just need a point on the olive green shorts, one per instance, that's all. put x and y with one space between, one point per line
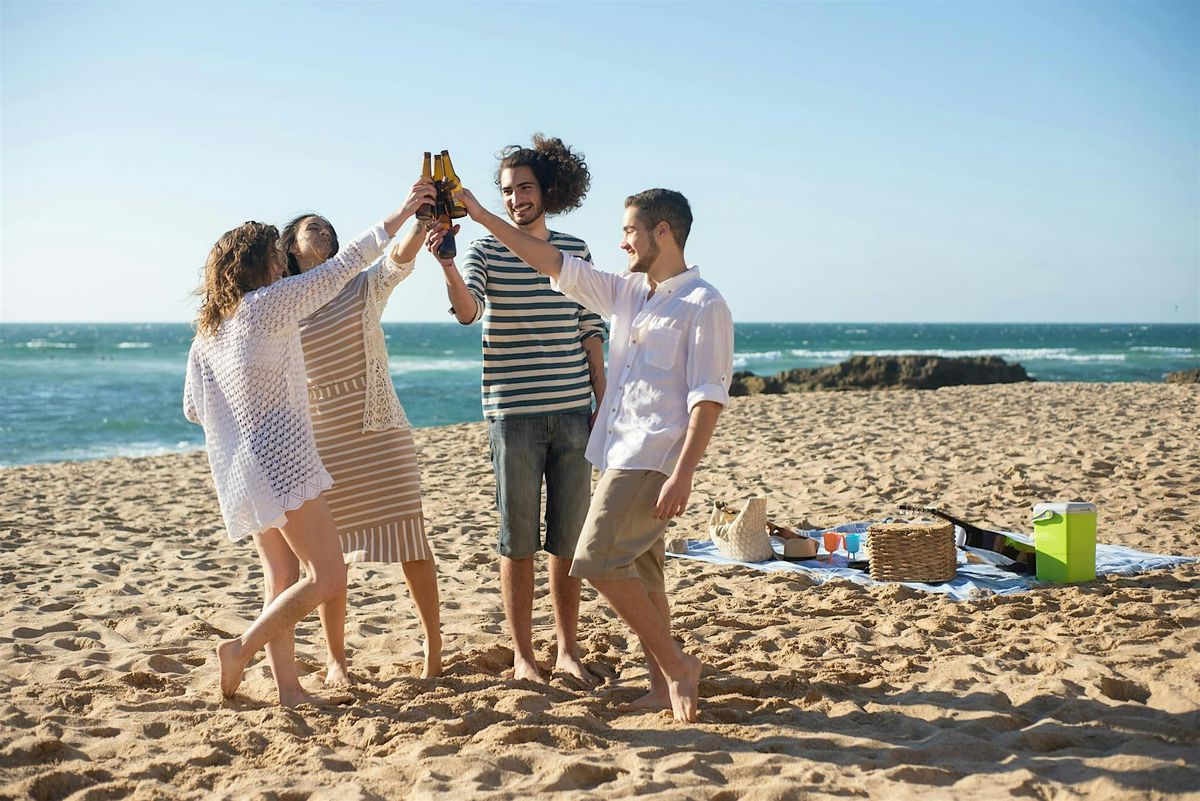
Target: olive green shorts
621 539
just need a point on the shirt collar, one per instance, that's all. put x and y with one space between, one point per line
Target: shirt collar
676 282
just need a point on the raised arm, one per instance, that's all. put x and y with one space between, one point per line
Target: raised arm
398 263
292 299
466 300
541 256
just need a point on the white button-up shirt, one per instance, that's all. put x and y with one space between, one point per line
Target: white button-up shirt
666 353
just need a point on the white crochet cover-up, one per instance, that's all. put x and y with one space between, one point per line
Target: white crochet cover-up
383 411
245 385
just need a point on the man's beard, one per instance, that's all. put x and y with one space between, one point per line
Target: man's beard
535 214
645 261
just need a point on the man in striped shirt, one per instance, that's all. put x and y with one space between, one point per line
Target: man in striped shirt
543 360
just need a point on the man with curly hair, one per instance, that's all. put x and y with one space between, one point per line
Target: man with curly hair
543 360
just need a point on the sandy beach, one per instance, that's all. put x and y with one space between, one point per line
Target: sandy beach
118 578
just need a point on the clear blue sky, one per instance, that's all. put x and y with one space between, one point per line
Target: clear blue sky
845 161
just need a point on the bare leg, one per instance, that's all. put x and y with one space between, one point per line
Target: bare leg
281 570
516 586
564 595
658 697
681 671
311 535
333 624
421 577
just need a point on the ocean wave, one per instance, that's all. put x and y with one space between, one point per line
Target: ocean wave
1008 354
38 344
131 450
134 345
404 364
1163 349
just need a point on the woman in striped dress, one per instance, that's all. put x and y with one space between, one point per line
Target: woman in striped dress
363 435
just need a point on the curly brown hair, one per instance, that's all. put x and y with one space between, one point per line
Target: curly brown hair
560 171
240 262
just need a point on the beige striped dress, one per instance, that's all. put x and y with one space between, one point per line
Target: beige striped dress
363 436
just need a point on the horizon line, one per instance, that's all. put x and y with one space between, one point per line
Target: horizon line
742 322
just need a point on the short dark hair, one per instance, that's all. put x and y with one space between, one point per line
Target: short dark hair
561 173
288 238
663 205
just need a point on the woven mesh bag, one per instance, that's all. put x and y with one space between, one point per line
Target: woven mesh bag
742 536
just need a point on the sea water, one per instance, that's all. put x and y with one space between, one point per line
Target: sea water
84 391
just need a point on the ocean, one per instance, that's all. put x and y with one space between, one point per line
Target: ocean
87 391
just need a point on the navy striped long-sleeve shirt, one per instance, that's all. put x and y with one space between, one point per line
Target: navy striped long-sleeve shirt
533 357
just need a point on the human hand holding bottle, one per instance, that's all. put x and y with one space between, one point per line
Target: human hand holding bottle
474 210
422 193
433 241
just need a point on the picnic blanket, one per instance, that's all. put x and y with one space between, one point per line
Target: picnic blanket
970 580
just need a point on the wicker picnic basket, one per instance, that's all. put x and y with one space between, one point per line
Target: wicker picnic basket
918 551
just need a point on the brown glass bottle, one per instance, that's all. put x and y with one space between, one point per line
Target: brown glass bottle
426 211
448 249
456 207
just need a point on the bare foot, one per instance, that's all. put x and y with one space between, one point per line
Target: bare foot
527 671
685 690
296 697
337 675
433 658
229 658
655 699
573 666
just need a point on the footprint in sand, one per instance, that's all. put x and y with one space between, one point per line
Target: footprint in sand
57 606
1122 690
27 633
584 776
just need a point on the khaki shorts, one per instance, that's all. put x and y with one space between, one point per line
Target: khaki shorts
620 538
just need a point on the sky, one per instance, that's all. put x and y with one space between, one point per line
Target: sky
845 161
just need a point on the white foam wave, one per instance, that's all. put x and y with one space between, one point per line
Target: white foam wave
404 364
131 450
39 344
133 345
1163 349
1009 354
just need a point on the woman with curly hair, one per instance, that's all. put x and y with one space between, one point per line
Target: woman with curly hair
363 436
245 386
543 360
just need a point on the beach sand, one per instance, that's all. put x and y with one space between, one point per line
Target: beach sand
117 579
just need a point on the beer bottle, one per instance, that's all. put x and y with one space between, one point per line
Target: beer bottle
456 207
426 211
447 249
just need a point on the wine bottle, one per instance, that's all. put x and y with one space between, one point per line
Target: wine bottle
984 539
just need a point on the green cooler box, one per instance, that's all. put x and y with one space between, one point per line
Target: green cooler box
1064 535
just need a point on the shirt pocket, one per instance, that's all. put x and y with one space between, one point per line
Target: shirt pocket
662 347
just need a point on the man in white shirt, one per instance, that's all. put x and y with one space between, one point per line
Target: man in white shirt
670 362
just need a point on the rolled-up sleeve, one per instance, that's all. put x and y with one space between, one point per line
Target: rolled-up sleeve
590 325
710 357
587 286
475 276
